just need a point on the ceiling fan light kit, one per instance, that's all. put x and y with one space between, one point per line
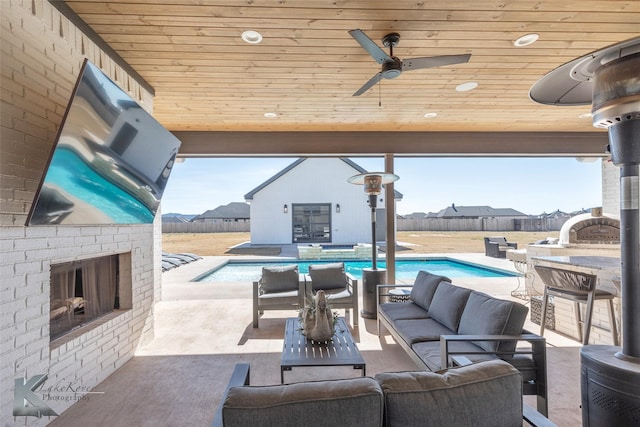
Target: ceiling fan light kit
392 66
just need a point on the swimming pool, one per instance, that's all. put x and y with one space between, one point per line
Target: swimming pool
405 269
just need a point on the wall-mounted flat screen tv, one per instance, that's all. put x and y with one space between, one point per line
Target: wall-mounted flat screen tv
110 161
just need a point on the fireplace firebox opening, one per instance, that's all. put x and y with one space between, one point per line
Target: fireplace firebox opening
86 290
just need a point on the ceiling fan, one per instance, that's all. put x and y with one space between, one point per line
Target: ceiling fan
392 66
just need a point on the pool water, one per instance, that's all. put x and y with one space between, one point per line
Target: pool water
405 269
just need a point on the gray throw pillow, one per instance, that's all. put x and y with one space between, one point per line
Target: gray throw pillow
279 279
448 303
327 276
485 315
424 287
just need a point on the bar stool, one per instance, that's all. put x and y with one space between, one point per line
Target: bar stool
579 288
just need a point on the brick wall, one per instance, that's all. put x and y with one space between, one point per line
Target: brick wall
601 330
41 57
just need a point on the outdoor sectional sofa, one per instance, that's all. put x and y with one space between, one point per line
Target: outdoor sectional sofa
444 325
485 394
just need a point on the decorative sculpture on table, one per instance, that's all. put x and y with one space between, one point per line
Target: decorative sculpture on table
317 319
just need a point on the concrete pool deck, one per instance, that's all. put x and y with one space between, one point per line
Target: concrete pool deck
203 329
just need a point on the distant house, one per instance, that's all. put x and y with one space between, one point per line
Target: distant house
175 218
310 201
476 212
415 215
559 214
233 212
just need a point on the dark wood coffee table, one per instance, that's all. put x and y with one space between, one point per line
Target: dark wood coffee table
298 351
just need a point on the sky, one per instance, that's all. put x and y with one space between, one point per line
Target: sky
529 185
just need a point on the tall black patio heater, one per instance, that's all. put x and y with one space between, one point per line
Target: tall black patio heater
609 79
372 277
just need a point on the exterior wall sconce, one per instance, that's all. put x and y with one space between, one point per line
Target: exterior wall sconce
337 207
285 209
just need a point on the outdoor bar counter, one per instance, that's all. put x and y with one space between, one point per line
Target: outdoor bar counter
606 268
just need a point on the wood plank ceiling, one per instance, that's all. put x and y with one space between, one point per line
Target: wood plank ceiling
308 66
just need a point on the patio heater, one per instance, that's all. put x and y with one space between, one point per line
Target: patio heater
372 277
609 79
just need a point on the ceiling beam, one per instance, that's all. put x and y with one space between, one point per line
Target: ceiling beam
437 144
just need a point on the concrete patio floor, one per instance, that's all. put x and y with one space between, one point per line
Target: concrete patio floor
203 329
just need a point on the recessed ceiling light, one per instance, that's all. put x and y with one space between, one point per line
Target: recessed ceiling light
430 115
526 40
270 115
463 87
585 116
251 36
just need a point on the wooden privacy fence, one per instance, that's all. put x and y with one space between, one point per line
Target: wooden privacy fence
428 224
481 224
206 227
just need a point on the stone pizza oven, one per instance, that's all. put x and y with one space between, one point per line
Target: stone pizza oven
595 228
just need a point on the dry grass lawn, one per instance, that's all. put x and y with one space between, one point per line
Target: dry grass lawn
218 244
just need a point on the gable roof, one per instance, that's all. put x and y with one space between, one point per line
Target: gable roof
231 211
354 165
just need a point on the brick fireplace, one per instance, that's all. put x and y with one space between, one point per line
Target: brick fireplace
46 52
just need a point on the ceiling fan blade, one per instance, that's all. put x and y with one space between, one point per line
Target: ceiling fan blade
379 55
375 79
433 61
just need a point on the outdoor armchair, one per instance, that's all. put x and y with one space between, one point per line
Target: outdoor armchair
497 247
340 287
279 288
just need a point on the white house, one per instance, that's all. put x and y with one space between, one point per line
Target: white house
310 201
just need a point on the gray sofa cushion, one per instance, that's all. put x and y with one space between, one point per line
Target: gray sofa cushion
402 310
327 276
485 315
424 287
486 394
418 330
339 296
350 402
279 279
279 299
448 303
429 353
